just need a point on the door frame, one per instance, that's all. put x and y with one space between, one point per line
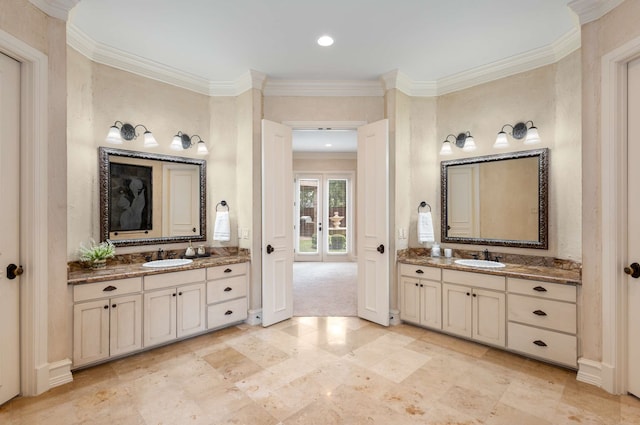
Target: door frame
611 372
35 368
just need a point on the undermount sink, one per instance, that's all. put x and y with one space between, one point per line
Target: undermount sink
480 263
172 262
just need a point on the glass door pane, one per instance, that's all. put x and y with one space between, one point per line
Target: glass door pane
338 218
308 213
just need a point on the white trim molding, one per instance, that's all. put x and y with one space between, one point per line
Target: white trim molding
394 317
590 372
60 373
323 88
254 318
55 8
590 10
33 209
613 180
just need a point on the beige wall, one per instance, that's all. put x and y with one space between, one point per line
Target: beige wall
598 38
48 35
549 97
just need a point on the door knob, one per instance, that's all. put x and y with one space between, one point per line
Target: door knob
14 271
633 270
380 249
270 249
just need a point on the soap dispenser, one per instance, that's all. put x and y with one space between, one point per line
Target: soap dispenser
190 252
435 250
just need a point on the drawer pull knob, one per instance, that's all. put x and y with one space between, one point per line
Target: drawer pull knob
106 307
228 312
109 288
540 289
114 305
539 343
419 271
228 270
421 285
539 313
468 293
227 289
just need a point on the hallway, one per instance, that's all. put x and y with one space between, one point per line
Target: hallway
325 289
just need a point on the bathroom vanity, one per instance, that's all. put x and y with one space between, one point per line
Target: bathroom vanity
127 308
531 310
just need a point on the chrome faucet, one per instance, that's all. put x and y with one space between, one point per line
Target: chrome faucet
486 254
160 254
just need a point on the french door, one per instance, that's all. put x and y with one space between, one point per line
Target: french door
322 217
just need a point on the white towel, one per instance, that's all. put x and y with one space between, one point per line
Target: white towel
222 228
425 227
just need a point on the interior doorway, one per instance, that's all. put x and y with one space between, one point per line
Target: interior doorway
324 272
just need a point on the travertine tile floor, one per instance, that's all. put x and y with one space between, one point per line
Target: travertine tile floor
340 370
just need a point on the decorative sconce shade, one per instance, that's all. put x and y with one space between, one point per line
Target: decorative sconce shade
518 131
127 132
463 140
183 141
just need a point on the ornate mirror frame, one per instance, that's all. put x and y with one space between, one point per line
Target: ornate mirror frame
543 200
104 155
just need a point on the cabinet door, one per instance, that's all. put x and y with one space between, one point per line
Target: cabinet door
126 324
90 332
431 304
159 316
456 309
410 299
191 309
489 317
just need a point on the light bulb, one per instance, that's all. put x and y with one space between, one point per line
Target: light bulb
501 141
114 136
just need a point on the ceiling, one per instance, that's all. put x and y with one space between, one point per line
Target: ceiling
325 141
221 40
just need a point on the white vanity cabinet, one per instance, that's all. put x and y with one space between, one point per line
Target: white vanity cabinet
227 288
107 320
421 295
174 306
474 306
543 320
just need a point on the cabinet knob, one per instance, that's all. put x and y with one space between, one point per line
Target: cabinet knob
419 271
114 305
468 293
421 285
174 294
228 312
475 295
227 289
539 343
109 288
540 289
180 293
416 284
228 270
106 307
539 313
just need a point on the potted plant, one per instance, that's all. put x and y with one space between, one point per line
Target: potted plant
96 254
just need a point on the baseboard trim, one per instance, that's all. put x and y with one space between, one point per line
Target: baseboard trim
60 373
254 318
394 317
590 372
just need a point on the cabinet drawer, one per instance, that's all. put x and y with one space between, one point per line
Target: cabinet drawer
556 315
166 280
227 312
549 345
421 272
556 291
226 289
111 288
478 280
226 271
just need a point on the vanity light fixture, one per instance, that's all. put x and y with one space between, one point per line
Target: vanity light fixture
127 132
183 141
463 140
518 131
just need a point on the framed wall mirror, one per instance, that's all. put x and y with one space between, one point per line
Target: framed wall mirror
497 200
148 198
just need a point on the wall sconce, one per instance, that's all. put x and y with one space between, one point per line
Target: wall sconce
463 140
518 131
182 141
128 132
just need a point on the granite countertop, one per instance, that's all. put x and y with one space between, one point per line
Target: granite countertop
78 276
530 272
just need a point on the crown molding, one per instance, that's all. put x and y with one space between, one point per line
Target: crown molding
256 80
55 8
323 88
590 10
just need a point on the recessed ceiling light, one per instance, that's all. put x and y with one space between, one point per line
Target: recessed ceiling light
325 41
328 145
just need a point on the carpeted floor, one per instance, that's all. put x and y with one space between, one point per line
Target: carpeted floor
325 289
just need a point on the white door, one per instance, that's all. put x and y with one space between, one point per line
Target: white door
9 227
308 218
633 232
463 208
277 223
373 222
